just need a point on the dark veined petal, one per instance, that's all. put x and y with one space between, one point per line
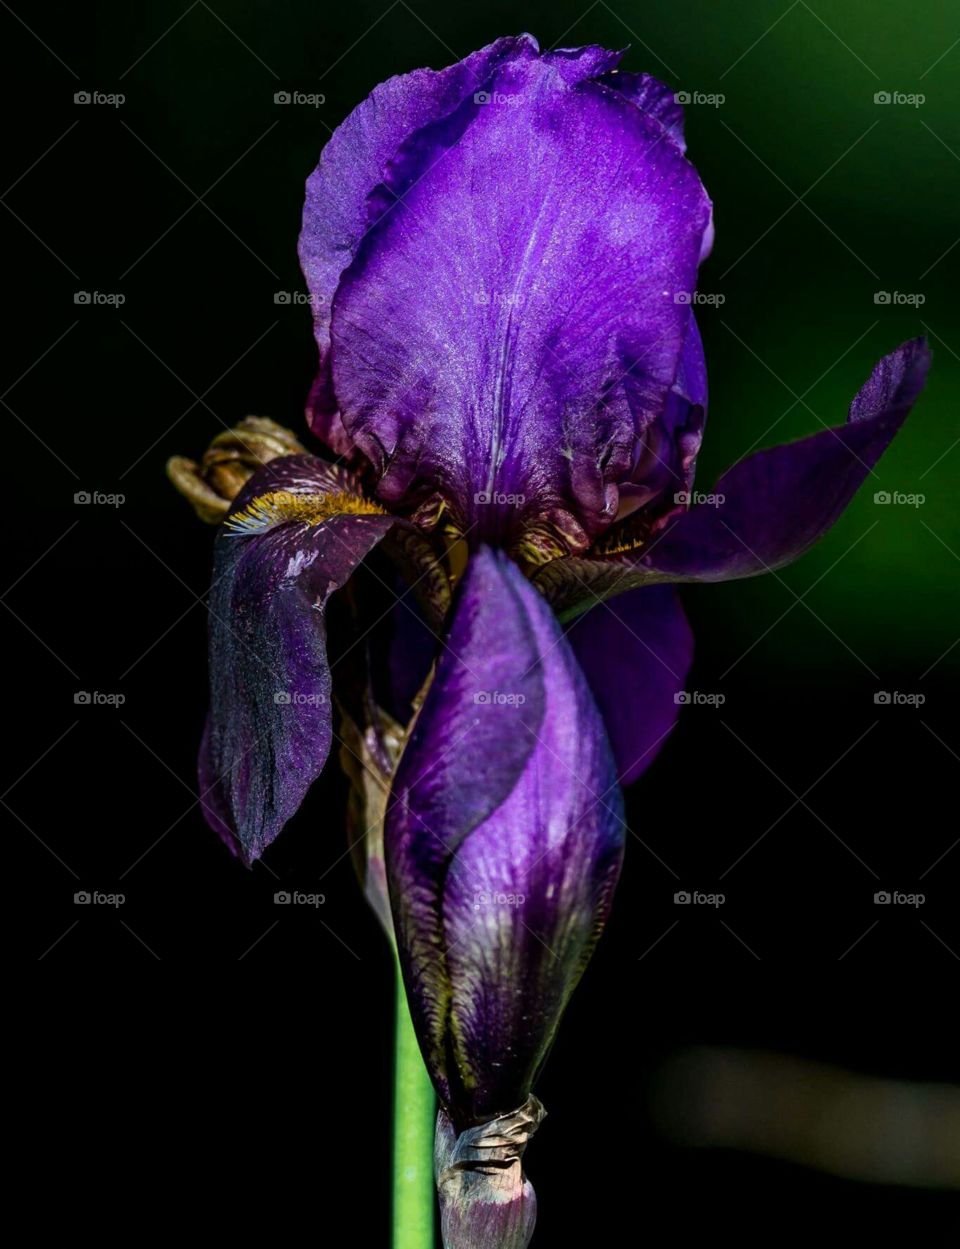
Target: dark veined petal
635 652
351 165
504 838
776 502
515 318
296 533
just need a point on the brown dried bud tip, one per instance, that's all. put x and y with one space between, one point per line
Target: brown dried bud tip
231 459
485 1198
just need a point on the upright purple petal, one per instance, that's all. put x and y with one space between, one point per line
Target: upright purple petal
504 838
353 162
635 652
269 727
515 319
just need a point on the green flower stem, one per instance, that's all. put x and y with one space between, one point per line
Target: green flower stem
414 1123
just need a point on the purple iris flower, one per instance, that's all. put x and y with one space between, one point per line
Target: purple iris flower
501 258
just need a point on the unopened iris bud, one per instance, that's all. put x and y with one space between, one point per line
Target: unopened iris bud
504 837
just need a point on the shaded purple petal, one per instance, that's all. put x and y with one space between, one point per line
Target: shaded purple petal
635 652
269 727
411 651
665 455
351 165
504 839
778 502
510 325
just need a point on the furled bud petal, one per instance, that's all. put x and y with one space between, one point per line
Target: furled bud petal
504 838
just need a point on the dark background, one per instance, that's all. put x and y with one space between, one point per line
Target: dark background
798 799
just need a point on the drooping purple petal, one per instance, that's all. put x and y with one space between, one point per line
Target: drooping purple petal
504 838
764 512
515 317
778 502
354 162
269 727
635 652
